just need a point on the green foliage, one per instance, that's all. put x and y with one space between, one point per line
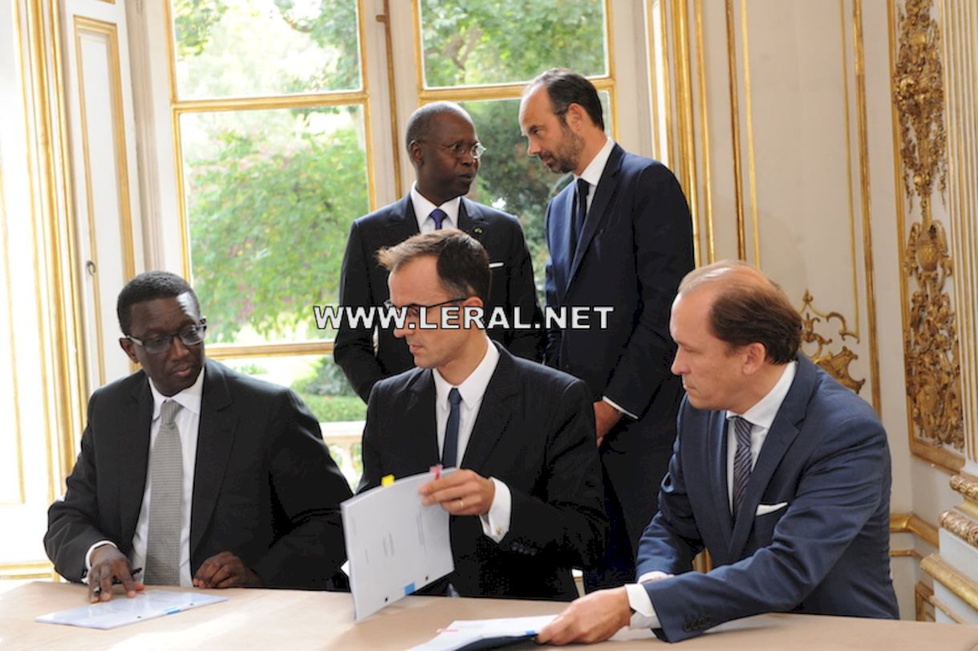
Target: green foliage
330 409
333 26
268 225
505 41
327 381
193 21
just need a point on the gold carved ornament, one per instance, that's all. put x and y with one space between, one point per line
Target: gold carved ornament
930 341
835 364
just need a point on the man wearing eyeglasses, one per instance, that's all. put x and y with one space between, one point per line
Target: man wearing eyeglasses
526 500
445 152
193 474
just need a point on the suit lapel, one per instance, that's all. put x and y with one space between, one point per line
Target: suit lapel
494 413
783 431
718 470
558 230
472 220
134 452
215 439
419 411
597 213
402 222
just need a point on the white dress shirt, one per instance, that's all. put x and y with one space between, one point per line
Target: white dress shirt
761 415
495 523
188 423
423 208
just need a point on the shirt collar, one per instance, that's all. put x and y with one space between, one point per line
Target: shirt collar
423 207
592 173
474 386
189 398
763 412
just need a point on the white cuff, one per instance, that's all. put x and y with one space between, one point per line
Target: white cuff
88 557
618 408
495 523
643 613
654 575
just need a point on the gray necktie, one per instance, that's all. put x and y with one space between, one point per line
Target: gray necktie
742 461
165 501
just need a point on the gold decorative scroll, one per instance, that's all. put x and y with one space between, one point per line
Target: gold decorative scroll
919 97
966 487
930 341
835 364
961 526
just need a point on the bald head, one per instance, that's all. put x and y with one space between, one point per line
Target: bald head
423 123
747 307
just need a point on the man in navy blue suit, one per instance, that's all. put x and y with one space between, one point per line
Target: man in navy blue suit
620 236
779 471
445 152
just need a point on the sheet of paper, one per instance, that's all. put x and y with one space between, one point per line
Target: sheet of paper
484 633
395 544
121 610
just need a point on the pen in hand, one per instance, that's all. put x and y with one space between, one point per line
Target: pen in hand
97 590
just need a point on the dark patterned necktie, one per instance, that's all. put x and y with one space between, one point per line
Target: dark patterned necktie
742 461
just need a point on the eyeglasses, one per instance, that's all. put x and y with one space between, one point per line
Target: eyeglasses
190 336
413 310
460 149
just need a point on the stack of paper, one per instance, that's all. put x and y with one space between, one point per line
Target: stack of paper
395 544
122 610
473 634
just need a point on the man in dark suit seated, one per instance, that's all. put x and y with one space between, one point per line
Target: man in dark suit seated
779 471
620 236
526 501
194 473
445 152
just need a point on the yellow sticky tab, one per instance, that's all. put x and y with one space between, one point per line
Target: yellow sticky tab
387 480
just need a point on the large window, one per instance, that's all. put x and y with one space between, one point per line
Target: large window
288 117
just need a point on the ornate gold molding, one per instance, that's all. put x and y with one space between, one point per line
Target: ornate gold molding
962 587
835 364
919 97
961 526
965 486
930 338
913 524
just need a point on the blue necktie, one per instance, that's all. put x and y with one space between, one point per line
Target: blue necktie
742 461
580 213
450 449
438 216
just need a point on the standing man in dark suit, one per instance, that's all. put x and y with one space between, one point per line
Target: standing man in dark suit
779 471
194 473
526 498
445 152
620 236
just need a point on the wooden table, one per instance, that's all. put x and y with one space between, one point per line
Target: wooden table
269 620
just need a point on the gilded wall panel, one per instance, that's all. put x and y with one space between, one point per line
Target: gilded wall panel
933 373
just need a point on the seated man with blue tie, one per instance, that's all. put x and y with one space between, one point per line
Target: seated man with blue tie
526 501
779 471
445 153
193 473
